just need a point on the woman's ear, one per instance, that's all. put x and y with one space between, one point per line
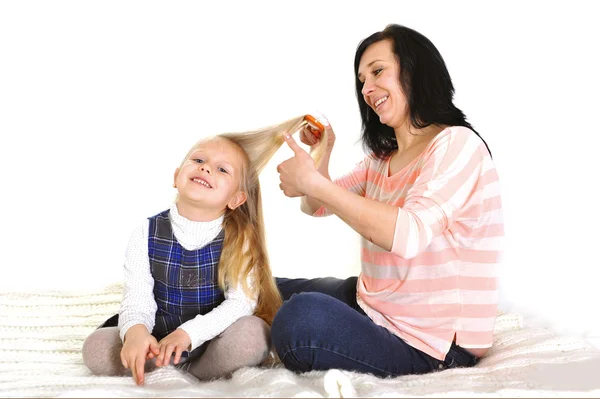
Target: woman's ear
175 177
237 200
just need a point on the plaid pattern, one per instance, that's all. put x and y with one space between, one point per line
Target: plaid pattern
185 282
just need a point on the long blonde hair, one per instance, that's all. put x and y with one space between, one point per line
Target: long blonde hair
244 246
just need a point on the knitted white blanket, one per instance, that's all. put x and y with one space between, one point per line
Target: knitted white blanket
41 334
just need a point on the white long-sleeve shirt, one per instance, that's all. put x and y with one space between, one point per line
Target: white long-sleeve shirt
139 306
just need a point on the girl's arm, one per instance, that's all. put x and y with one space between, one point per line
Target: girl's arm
236 305
138 305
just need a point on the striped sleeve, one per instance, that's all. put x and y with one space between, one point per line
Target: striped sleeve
355 181
448 178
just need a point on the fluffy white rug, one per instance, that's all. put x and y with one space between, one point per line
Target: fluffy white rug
41 334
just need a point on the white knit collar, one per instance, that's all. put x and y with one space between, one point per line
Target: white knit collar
186 227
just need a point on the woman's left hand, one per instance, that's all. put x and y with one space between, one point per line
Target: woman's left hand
297 174
176 342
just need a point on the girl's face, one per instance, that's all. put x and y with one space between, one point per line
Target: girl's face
379 71
211 177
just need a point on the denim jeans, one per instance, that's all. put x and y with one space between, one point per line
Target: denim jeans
320 326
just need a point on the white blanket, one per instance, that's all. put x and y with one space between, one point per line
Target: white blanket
41 334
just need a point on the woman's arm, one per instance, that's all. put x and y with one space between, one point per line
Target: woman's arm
353 181
446 181
310 205
373 220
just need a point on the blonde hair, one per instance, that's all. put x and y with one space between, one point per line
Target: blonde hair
244 246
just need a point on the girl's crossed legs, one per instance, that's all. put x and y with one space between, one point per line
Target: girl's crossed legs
245 343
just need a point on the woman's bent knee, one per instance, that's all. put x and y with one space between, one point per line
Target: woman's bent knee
301 318
303 309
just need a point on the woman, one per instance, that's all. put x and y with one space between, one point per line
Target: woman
426 202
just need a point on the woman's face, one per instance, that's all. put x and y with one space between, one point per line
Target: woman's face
379 71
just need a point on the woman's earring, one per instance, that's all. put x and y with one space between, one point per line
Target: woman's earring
174 185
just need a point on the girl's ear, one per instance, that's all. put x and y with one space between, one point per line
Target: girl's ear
237 200
175 177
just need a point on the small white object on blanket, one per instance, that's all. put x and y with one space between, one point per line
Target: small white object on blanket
338 385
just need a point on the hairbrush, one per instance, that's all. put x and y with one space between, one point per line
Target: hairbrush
317 127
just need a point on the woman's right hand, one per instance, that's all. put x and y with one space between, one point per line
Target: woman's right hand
139 345
311 137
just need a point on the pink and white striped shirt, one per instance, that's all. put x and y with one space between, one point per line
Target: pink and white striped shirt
439 282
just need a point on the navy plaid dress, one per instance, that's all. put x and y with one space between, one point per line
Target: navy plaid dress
185 282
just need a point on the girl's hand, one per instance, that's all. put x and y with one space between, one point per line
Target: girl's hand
139 345
176 342
297 174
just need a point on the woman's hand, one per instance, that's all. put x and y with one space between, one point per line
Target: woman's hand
139 345
176 342
298 174
311 137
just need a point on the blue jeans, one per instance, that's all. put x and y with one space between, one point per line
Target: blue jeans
320 327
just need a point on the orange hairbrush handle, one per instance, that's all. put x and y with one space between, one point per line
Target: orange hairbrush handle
317 127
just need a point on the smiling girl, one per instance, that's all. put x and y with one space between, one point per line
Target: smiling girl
198 285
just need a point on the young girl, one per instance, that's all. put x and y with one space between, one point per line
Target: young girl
197 279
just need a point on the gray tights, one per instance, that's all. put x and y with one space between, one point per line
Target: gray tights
245 343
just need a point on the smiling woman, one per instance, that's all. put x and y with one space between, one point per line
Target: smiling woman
426 201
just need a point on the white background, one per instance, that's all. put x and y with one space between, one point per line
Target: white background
100 100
